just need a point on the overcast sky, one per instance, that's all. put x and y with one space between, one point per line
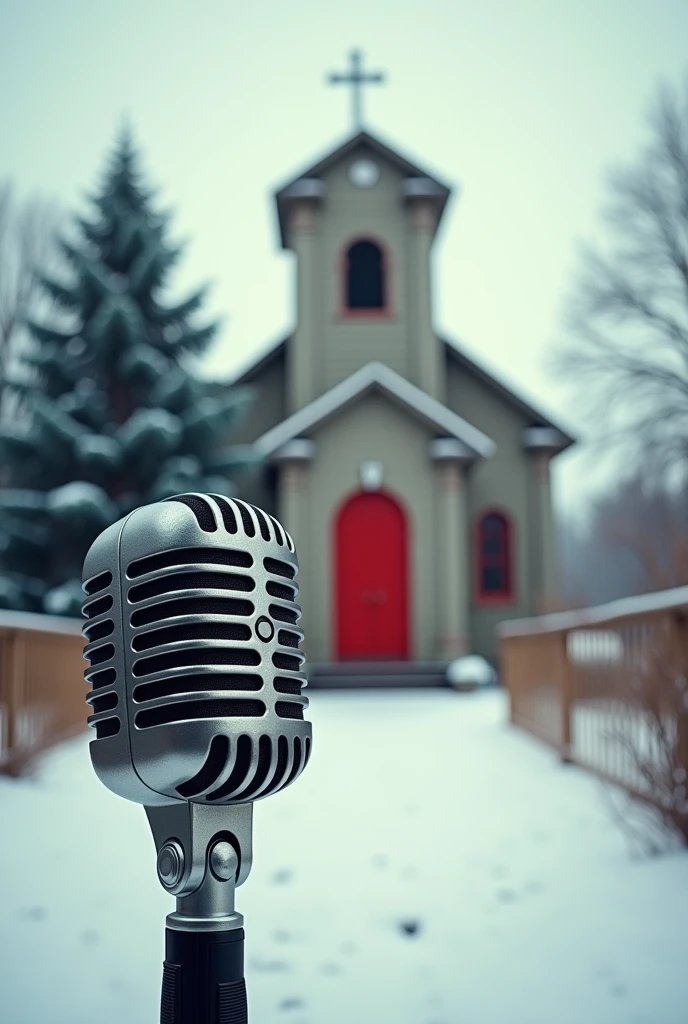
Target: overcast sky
521 106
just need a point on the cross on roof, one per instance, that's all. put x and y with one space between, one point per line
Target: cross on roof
356 78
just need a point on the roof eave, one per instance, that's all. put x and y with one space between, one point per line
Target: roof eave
506 392
351 143
257 364
369 377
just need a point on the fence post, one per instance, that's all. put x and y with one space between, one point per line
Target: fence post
9 688
680 672
6 698
566 689
14 670
506 671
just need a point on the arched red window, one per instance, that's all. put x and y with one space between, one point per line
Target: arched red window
494 557
365 277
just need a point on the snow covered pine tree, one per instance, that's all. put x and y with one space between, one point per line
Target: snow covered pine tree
109 417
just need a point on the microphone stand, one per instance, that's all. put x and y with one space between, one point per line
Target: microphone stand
204 852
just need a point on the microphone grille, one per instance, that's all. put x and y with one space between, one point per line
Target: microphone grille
267 525
104 698
206 703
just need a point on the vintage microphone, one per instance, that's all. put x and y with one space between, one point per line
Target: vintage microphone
196 681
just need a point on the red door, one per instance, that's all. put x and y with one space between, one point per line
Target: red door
371 578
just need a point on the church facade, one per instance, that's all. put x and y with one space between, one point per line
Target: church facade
416 485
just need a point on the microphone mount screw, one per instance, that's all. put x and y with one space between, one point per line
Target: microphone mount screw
223 861
170 864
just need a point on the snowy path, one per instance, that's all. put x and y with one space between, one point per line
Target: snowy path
416 808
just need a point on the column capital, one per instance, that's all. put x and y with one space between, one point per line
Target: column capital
542 461
305 188
423 216
426 199
299 449
303 218
451 552
450 449
544 439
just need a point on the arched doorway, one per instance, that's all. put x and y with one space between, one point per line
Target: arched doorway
371 578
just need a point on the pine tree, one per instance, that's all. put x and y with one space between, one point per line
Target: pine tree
108 414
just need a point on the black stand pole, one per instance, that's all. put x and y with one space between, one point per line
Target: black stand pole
203 978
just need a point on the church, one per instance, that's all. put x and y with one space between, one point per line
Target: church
415 484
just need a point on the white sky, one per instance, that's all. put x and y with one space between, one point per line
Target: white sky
522 106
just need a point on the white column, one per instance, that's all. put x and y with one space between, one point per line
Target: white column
542 444
293 513
293 460
546 582
451 460
303 350
424 347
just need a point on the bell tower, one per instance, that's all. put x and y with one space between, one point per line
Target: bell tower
361 223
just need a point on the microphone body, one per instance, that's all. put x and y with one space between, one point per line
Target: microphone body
196 688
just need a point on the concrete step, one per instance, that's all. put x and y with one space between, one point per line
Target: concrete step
376 674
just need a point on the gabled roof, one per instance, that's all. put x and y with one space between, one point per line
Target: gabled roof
438 190
256 363
536 417
371 377
372 142
505 392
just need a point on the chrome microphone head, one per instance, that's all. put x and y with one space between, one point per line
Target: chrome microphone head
196 678
195 668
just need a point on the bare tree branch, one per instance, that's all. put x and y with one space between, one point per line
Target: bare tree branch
633 540
27 232
627 322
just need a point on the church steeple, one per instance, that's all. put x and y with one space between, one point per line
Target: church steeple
361 223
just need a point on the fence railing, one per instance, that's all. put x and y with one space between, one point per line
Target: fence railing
42 689
607 687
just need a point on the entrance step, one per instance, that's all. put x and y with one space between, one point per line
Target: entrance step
376 674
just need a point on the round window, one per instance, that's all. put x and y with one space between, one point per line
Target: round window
364 173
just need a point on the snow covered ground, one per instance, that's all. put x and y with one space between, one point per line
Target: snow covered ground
431 866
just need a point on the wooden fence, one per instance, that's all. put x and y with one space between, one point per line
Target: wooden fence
607 688
42 689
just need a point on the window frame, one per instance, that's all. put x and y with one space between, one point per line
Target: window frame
507 595
384 312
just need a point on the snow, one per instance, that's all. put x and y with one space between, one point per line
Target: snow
65 599
83 501
144 362
98 450
76 346
601 615
471 670
616 739
432 865
10 592
183 465
154 428
595 647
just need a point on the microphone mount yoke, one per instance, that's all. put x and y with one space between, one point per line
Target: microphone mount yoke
204 853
